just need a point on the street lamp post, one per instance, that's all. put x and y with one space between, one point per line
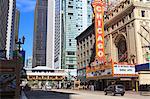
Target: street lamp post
19 43
19 68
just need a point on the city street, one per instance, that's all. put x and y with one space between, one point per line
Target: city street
40 94
76 94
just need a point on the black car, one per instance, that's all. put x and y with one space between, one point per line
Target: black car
115 89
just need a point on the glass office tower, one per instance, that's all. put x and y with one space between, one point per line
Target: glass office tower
76 17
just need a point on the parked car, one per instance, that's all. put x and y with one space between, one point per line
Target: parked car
115 89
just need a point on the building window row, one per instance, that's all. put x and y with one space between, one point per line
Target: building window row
120 22
117 9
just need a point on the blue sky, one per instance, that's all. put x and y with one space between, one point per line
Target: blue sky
26 26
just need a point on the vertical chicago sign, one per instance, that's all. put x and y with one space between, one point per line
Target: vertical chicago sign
99 29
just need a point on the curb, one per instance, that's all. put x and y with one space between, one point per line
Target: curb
145 93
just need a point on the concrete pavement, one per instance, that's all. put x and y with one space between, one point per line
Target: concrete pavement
77 94
86 94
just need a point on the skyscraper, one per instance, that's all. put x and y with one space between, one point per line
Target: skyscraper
77 16
16 27
7 21
29 62
3 27
50 34
46 47
54 34
10 29
65 20
40 33
58 31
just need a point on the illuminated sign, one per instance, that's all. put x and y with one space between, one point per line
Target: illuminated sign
124 69
99 29
99 73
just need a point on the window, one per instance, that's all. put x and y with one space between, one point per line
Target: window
130 15
143 13
84 46
112 27
81 64
69 44
122 20
81 47
70 66
128 2
70 6
71 53
70 60
70 13
117 24
84 54
69 40
81 55
84 63
87 52
87 60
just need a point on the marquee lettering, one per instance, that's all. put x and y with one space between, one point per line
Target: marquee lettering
99 9
99 30
100 38
99 23
100 53
99 16
100 46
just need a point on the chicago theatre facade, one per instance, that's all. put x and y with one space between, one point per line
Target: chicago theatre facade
127 32
126 44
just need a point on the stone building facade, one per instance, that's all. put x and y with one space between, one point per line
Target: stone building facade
127 41
85 44
127 35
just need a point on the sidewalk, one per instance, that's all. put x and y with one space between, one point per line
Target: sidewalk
92 92
23 96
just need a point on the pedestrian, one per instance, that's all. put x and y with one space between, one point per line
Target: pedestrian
92 87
